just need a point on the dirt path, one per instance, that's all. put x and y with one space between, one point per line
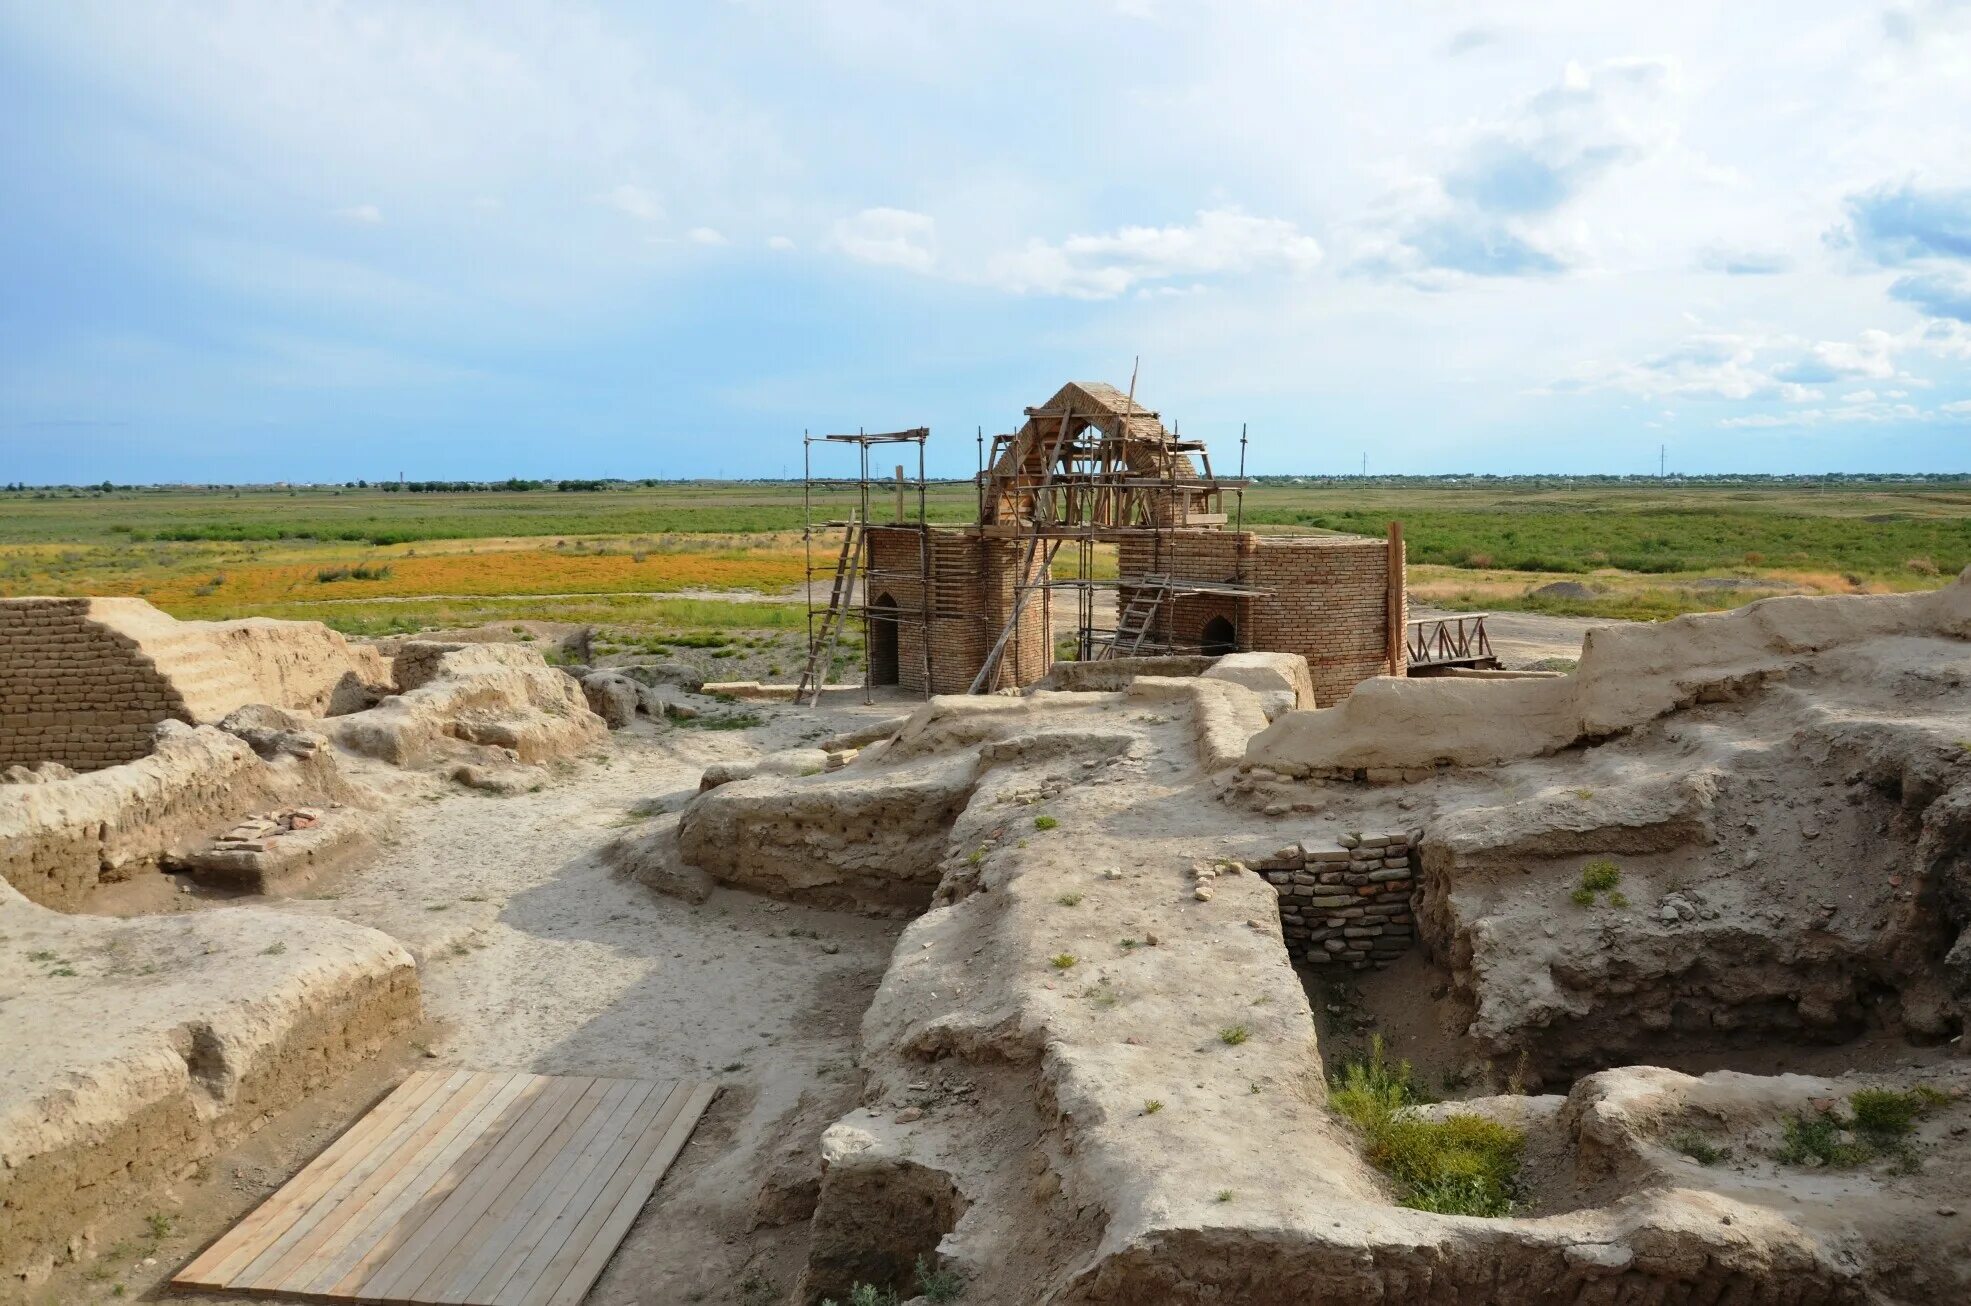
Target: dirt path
535 957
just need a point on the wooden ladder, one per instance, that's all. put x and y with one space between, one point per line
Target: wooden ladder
1138 616
822 645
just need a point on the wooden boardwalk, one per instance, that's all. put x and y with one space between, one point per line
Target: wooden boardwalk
469 1188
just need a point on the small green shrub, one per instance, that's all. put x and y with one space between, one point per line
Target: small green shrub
1618 899
938 1285
1061 960
1600 876
1583 897
1233 1035
1698 1148
1069 900
1225 1194
1816 1140
1152 1106
1885 1113
1461 1165
1044 822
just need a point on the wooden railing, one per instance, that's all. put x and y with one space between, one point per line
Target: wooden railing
1450 642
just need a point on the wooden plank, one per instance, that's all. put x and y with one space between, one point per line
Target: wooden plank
431 1115
591 1176
510 1243
603 1240
440 1235
326 1223
387 1224
466 1188
613 1182
381 1127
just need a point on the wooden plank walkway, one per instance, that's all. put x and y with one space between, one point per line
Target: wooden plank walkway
468 1188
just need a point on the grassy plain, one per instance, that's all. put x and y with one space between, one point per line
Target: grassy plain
697 556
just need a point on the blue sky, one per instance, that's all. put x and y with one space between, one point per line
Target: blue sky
321 241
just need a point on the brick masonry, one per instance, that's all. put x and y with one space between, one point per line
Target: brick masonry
1325 597
74 691
1349 903
974 580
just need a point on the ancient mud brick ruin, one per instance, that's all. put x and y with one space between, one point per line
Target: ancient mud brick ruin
973 608
1348 902
74 690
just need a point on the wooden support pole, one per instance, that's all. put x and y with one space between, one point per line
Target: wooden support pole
1395 598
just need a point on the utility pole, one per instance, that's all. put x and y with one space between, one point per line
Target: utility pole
1662 456
1365 464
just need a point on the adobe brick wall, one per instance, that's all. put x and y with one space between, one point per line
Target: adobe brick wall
74 691
1326 599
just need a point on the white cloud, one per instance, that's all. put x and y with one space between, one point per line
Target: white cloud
706 236
891 238
1955 407
1221 242
363 215
633 200
779 243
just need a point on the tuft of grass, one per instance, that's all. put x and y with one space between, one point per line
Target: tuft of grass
274 949
1600 876
1618 899
159 1225
974 857
1225 1195
866 1294
1583 897
1069 900
1061 960
1816 1141
1044 822
1698 1148
1461 1165
1885 1113
1152 1106
1233 1035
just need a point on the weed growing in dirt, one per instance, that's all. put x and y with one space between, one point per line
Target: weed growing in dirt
62 972
1069 900
1698 1148
1044 822
1061 960
1233 1035
1600 876
1225 1194
1885 1113
42 954
1817 1140
974 857
866 1294
1460 1165
715 721
938 1285
1618 899
1583 897
274 949
1152 1106
159 1225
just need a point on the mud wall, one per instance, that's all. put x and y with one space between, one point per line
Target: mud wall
73 690
60 840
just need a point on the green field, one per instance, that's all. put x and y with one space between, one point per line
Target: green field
1644 549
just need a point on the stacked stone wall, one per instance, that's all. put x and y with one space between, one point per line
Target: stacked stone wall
74 691
1350 903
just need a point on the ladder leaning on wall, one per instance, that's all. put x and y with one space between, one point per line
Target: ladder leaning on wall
822 646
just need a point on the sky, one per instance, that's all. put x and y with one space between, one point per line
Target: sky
317 241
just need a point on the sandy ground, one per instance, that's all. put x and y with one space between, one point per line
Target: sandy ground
535 957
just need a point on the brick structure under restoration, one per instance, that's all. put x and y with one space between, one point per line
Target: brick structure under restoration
974 584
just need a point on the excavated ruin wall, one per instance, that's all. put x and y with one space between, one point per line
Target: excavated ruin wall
116 1132
82 681
75 691
1628 675
493 695
59 840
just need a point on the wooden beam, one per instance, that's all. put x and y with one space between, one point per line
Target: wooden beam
1394 616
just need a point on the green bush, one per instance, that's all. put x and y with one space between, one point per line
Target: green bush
1600 876
1460 1165
1885 1113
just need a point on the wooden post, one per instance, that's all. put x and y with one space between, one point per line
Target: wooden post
1394 604
899 494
